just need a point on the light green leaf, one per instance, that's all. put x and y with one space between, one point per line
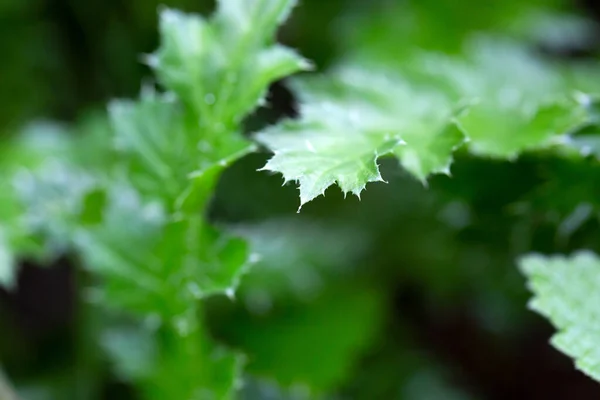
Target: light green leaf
155 264
221 67
567 292
120 251
41 190
505 133
170 363
525 102
152 134
347 124
158 268
163 146
211 262
52 197
519 101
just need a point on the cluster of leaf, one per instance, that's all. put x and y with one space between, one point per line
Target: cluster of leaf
492 96
133 202
422 112
131 198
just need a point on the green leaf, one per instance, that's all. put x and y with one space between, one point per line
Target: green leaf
158 268
314 344
544 125
120 251
295 258
191 366
219 70
221 67
170 363
53 198
211 262
155 251
158 162
163 146
347 124
154 264
567 292
519 101
41 189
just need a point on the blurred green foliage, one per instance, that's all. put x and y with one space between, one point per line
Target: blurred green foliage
410 293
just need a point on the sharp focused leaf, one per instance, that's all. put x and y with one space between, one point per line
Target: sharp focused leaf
567 292
346 125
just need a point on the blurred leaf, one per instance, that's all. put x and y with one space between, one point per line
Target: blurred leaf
566 291
163 149
520 130
172 362
294 259
221 67
191 366
444 25
133 351
522 101
152 265
38 193
314 344
158 270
